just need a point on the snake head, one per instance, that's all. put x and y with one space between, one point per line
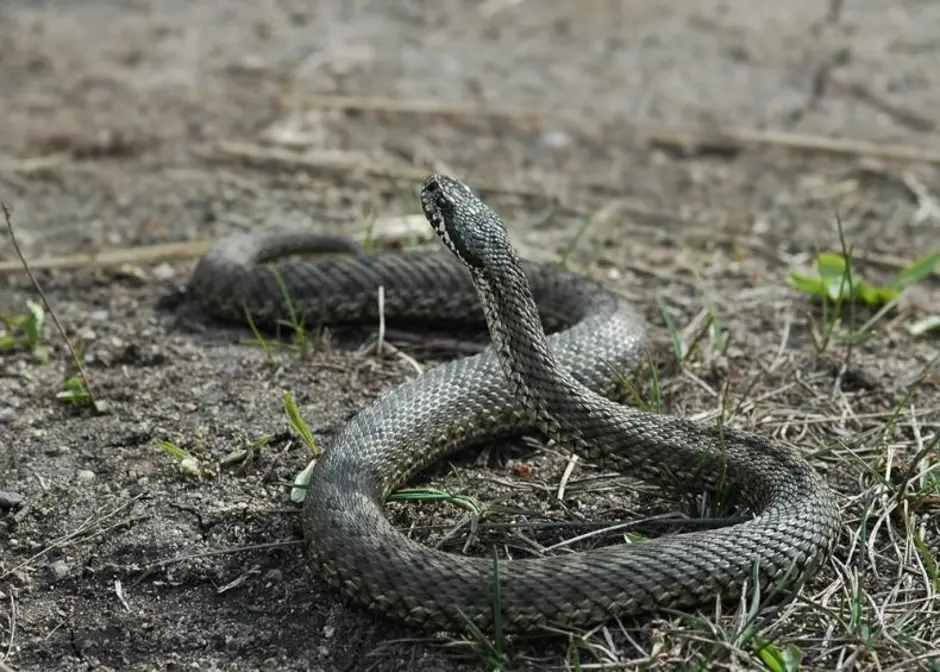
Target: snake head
466 225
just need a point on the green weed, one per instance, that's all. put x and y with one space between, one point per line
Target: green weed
836 281
24 331
185 462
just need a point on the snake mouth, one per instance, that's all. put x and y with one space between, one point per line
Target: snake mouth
430 202
441 198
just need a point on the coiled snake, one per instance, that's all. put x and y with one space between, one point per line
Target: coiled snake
559 385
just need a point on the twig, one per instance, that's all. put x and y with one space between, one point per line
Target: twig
389 232
8 215
110 258
225 150
12 621
732 137
737 137
86 526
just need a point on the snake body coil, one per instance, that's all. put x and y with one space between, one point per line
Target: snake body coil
557 385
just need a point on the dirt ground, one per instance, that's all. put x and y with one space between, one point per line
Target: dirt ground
685 152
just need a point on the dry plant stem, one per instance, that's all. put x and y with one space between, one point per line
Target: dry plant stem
731 137
8 215
111 258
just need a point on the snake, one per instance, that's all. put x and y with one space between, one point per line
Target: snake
560 342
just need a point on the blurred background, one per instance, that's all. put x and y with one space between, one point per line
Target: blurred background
565 100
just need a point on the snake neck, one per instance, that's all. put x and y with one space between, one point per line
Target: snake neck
526 358
573 415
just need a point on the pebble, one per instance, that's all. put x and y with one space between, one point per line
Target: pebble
60 569
6 415
164 272
10 500
87 334
85 475
556 139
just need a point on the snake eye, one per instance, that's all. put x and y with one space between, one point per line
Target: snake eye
442 199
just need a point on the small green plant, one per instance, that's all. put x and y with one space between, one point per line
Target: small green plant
244 456
298 425
775 659
24 331
836 281
837 284
299 490
633 394
300 341
77 389
492 650
370 216
186 463
476 509
74 391
565 253
682 350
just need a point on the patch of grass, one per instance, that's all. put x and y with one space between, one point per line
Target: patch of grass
565 253
300 341
191 466
652 403
712 323
493 649
836 281
23 331
837 284
775 659
684 347
76 388
300 337
74 391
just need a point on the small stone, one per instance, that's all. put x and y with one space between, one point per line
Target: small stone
163 272
85 475
60 569
98 315
556 139
6 415
86 334
10 500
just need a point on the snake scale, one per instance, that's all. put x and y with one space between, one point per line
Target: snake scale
561 386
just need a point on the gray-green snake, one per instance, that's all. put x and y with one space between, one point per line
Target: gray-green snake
559 386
